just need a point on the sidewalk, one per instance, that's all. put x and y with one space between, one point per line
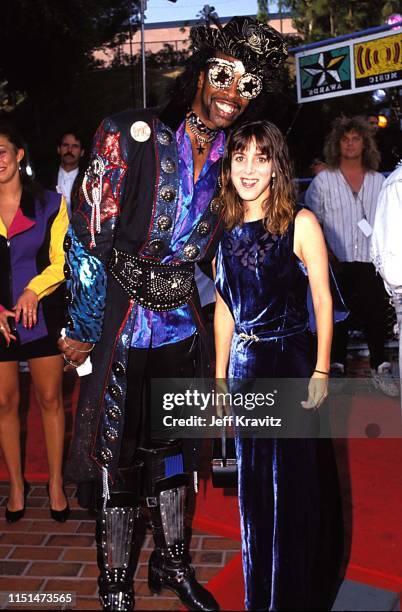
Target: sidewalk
39 554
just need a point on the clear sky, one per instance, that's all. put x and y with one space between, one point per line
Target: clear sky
163 10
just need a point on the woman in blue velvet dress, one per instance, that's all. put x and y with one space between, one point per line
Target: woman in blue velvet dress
270 252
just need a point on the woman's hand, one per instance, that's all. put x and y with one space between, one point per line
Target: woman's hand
5 327
27 308
317 391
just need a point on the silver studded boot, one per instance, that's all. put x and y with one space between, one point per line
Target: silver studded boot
114 535
170 563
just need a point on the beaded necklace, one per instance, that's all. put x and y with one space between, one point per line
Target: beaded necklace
203 133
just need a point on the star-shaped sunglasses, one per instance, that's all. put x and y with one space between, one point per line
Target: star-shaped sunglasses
221 75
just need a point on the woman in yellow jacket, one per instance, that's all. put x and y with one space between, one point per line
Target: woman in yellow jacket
33 223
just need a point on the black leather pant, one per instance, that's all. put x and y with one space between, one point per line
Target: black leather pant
364 294
169 361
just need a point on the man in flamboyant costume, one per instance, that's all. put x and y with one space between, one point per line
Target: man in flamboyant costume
148 211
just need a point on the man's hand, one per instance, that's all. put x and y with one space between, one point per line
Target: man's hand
74 352
4 326
27 308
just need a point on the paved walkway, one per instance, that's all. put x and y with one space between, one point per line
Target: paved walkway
39 554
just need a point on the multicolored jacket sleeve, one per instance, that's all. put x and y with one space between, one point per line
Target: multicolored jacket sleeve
52 276
89 240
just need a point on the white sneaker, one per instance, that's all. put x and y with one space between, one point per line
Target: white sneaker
383 380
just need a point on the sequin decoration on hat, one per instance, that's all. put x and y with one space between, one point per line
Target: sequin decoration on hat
256 44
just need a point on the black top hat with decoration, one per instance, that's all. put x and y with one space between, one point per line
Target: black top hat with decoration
261 48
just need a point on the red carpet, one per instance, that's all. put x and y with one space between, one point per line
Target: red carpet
373 519
371 480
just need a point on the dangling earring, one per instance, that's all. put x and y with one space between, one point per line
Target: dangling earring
273 178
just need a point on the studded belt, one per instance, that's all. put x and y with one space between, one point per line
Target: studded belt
155 286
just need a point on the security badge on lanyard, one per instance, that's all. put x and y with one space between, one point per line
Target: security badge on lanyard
221 75
363 225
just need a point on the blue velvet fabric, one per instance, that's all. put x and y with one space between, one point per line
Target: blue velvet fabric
288 492
264 285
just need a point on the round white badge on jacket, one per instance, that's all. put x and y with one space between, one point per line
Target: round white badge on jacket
140 131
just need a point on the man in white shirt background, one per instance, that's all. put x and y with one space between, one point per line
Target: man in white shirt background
344 198
69 177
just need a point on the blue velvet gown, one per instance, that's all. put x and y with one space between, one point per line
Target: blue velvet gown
288 489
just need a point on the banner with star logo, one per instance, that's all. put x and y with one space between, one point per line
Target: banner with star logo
354 66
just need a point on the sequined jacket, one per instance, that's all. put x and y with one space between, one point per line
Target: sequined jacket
138 184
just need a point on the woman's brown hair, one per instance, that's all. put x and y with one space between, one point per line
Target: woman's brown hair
279 207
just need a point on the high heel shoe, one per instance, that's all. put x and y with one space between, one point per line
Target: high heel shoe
59 515
12 516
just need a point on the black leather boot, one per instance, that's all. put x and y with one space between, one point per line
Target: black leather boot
114 534
170 564
115 529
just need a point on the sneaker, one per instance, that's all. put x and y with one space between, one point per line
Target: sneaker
383 380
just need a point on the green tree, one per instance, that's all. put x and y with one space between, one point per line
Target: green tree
44 44
208 15
263 11
390 7
318 19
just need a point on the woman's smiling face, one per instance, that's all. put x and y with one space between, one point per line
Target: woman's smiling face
251 173
9 159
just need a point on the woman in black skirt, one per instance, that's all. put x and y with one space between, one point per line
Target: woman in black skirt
32 227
